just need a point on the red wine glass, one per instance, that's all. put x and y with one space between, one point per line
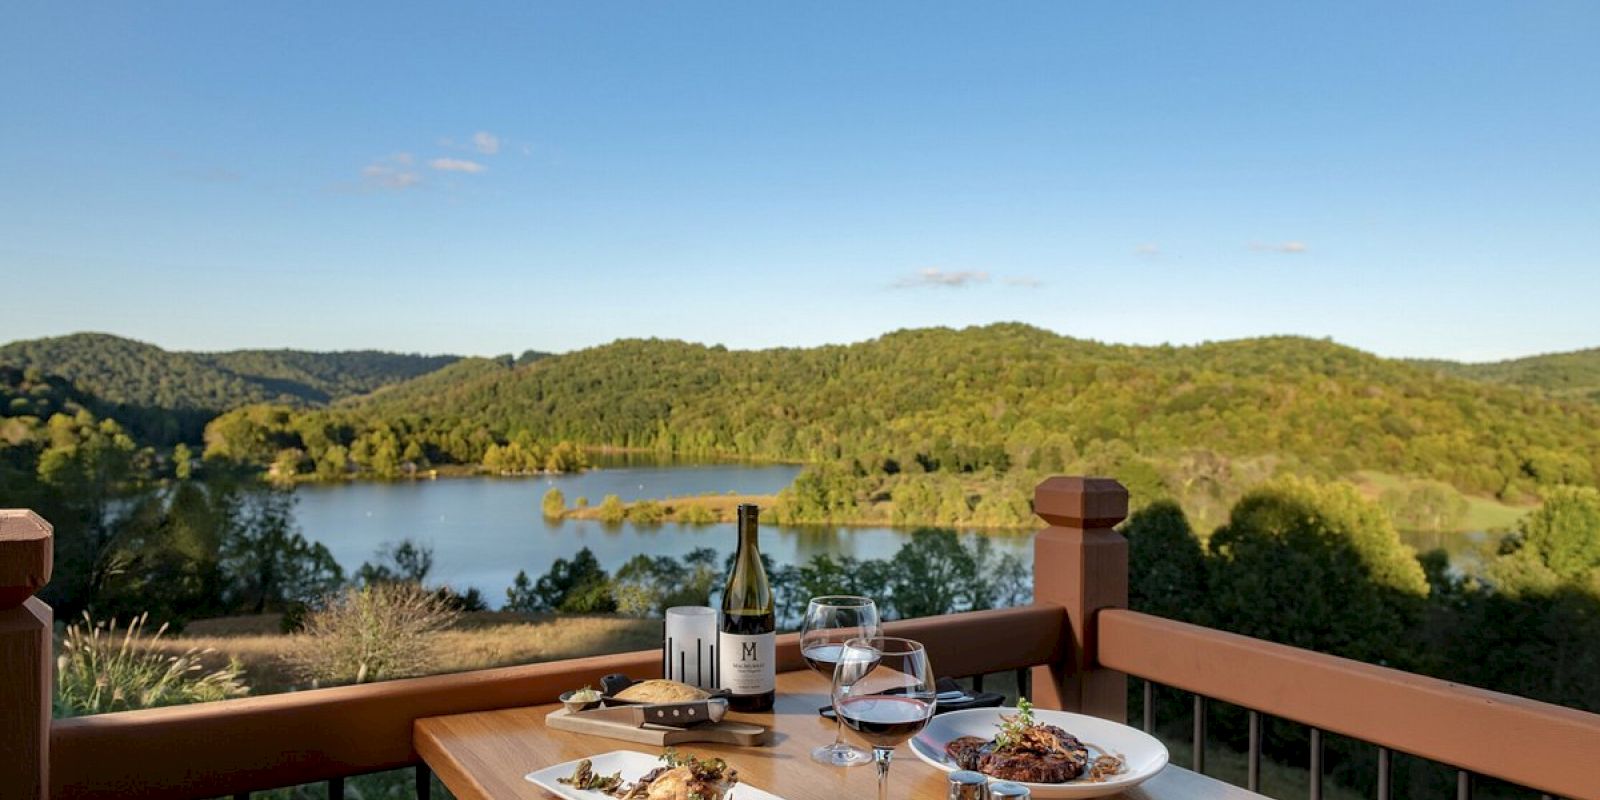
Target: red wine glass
831 621
883 691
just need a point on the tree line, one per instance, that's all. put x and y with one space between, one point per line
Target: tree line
1316 565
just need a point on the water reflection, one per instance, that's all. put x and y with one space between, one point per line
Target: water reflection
483 530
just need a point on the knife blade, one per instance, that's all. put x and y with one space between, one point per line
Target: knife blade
675 715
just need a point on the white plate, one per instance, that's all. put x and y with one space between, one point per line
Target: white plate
1143 754
632 764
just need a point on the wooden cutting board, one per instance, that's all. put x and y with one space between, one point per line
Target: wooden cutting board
725 732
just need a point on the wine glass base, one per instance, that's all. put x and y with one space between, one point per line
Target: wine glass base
841 755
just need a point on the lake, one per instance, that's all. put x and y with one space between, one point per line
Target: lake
483 530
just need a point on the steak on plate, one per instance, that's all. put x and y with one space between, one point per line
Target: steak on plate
1047 754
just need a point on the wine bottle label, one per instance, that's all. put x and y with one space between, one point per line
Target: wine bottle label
747 664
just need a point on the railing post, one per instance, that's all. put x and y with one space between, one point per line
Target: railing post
1080 563
25 676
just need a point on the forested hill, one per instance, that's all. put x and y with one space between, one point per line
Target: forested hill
1011 396
1574 374
167 395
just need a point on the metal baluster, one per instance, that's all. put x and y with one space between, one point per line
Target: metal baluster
336 789
1149 706
1384 789
1024 683
424 782
241 796
977 683
1463 785
1316 764
1200 734
1253 774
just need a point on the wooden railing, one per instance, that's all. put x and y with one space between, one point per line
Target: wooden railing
1076 646
1550 748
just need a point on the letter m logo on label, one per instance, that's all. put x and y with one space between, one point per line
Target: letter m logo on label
747 652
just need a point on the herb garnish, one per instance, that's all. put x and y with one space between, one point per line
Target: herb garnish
1014 727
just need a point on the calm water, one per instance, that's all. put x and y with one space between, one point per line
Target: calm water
483 530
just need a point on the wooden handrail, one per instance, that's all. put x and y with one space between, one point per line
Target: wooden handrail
220 748
1538 745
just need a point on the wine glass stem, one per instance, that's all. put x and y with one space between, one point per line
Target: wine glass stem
838 731
882 755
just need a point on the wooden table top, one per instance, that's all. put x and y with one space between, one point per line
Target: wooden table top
483 756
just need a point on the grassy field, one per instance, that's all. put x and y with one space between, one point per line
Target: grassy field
477 641
1483 513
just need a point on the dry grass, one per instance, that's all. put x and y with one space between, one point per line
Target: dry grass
372 633
476 641
704 508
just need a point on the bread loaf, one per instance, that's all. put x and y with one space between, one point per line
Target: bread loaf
661 691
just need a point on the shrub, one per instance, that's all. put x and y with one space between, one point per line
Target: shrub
647 511
697 514
554 504
371 633
98 671
612 510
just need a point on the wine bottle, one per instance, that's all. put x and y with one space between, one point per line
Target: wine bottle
746 645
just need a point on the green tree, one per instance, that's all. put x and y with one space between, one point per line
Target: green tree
1317 566
520 596
1166 563
334 463
1564 533
554 505
270 565
611 509
577 586
182 462
405 562
933 574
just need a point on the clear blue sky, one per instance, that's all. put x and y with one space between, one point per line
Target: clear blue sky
1409 178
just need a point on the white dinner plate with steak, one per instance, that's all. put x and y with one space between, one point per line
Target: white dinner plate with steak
1056 754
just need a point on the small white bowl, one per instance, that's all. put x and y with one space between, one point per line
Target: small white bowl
574 706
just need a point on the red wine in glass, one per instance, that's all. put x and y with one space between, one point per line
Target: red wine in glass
885 720
831 621
883 691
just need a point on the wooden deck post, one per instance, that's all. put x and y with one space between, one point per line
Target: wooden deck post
1080 563
26 553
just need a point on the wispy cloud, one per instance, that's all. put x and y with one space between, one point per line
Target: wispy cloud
486 143
393 174
456 165
1023 281
1281 247
1148 250
933 276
